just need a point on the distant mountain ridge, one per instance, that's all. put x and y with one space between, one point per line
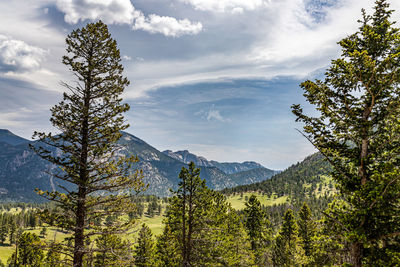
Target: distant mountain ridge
8 137
21 170
227 167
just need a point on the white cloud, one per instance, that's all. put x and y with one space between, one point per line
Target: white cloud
123 12
111 11
231 6
168 26
18 56
126 57
212 114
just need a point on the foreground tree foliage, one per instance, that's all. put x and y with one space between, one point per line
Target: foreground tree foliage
358 131
95 183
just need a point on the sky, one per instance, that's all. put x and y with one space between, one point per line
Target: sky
215 77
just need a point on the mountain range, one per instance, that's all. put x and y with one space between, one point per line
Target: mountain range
21 170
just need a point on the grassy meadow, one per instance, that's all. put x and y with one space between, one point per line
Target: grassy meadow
155 223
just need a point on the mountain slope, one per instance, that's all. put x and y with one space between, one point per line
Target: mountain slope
252 176
298 179
21 170
8 137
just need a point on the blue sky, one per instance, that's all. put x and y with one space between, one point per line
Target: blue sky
216 77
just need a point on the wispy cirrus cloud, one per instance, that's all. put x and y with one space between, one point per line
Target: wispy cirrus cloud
123 12
212 114
229 6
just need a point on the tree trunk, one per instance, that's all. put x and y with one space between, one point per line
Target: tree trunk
190 224
184 249
80 224
79 249
356 254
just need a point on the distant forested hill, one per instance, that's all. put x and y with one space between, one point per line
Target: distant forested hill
307 181
292 180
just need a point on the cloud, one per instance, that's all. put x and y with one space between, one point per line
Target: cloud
123 12
18 56
111 11
168 26
126 57
222 6
212 114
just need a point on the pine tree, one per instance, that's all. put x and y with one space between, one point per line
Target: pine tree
258 228
53 256
28 251
90 120
358 132
306 229
285 242
3 233
144 250
43 232
167 249
112 251
11 236
185 210
201 229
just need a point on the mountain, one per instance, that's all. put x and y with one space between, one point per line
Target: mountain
21 170
299 179
8 137
227 167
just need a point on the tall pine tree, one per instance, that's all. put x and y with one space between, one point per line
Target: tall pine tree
284 250
306 229
90 120
358 131
144 250
258 228
201 229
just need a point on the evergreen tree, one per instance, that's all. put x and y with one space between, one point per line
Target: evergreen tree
43 232
201 229
28 251
90 121
185 210
53 256
284 251
112 251
167 250
306 229
3 233
144 250
258 228
358 132
11 236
